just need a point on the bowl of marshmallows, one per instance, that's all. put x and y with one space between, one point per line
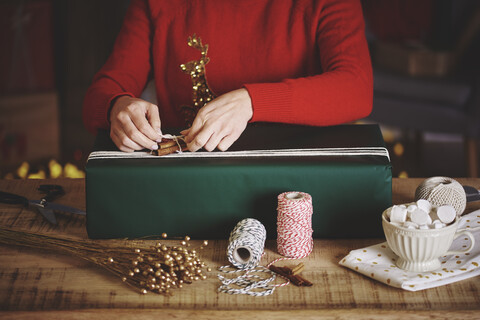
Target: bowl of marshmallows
421 232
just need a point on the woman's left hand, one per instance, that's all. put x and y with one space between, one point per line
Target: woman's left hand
220 123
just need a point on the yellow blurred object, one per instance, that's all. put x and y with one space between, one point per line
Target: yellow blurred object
55 169
22 171
71 171
39 175
388 135
403 174
398 149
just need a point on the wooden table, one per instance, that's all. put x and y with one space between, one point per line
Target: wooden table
41 284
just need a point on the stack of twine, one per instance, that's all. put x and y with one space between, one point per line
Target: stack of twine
157 268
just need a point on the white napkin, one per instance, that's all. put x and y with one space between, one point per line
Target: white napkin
378 262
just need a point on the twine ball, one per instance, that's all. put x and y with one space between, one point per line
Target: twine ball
443 191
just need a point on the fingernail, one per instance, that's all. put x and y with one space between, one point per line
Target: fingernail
159 140
154 147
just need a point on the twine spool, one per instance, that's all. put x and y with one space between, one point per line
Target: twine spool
246 244
442 191
294 224
244 251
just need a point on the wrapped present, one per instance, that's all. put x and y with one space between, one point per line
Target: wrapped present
346 169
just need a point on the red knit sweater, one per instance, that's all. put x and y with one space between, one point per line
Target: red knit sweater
302 61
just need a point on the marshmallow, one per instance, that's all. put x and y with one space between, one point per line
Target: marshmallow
409 215
423 227
446 213
398 214
425 205
411 208
410 225
420 217
437 224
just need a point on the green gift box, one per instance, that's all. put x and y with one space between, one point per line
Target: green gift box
346 169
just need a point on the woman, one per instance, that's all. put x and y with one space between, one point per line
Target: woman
289 61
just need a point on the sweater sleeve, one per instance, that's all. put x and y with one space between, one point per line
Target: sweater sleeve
126 70
342 93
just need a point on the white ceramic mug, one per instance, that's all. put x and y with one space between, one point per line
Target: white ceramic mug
418 250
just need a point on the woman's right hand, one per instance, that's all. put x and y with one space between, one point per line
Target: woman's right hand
135 124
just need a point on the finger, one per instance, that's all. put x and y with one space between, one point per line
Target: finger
185 132
213 142
143 126
120 146
138 137
123 142
200 140
226 142
197 126
153 118
192 132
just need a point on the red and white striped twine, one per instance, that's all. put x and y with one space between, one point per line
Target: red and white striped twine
294 225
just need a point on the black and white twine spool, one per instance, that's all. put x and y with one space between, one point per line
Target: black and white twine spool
245 249
246 244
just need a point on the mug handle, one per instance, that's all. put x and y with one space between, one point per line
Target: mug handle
472 242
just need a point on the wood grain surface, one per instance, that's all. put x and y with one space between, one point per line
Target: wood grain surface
42 284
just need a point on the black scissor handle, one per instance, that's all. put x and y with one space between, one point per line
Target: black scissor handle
11 198
52 192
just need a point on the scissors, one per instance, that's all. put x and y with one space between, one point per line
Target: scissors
44 205
473 194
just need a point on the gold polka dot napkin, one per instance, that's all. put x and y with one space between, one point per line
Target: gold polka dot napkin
378 262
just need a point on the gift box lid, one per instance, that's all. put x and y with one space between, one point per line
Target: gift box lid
274 140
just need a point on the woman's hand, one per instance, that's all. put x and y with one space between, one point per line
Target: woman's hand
135 124
220 123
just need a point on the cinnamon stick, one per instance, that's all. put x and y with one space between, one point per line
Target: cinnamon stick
287 274
168 146
167 143
299 268
305 282
165 151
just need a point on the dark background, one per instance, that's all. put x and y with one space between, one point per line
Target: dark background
51 50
